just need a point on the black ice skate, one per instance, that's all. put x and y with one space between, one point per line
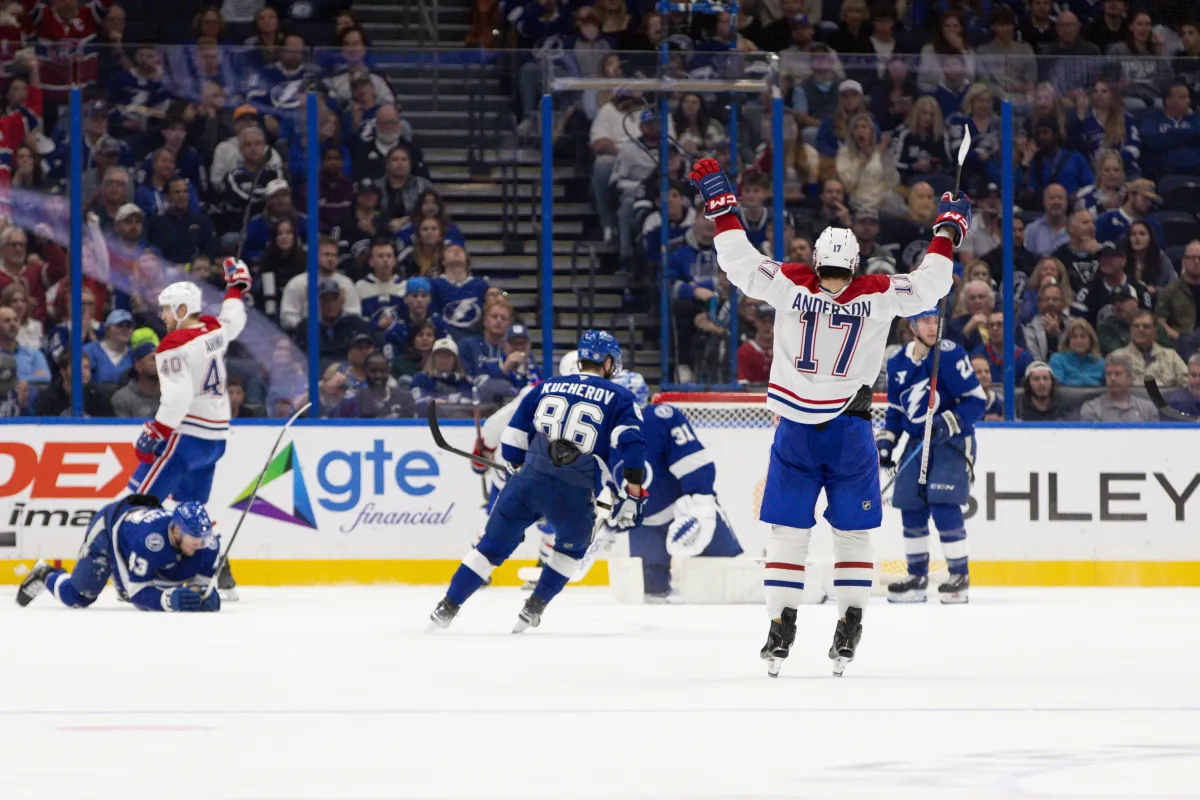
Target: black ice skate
779 641
443 615
955 589
226 585
845 639
34 583
910 590
531 615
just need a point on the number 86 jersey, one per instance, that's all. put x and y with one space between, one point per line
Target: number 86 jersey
828 346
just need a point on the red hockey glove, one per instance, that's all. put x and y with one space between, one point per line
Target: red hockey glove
478 467
714 187
152 441
237 275
955 214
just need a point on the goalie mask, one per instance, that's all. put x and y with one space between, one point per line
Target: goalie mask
836 253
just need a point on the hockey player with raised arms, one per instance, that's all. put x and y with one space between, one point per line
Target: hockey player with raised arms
180 447
682 516
161 559
831 327
960 405
561 437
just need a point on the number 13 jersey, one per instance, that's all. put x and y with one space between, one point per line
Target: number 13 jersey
828 346
192 374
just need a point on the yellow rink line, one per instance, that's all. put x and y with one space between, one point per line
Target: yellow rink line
261 572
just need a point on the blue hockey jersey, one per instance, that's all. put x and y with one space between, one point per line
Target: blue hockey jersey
459 302
908 390
676 463
597 416
145 563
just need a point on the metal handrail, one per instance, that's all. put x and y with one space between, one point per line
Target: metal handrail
576 246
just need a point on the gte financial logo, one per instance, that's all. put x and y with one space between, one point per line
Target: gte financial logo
346 478
55 471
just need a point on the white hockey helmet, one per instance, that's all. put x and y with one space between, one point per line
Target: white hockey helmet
569 364
836 248
182 293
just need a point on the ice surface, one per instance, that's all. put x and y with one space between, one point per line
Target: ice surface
339 693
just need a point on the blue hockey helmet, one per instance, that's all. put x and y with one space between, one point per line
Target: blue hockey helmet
635 383
598 345
192 520
929 312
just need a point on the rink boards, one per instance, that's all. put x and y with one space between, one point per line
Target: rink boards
369 503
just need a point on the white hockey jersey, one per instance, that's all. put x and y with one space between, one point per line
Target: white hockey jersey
192 376
492 429
827 346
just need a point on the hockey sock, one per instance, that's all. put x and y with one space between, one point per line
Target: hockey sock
472 573
916 540
656 578
853 569
783 582
59 584
558 570
953 533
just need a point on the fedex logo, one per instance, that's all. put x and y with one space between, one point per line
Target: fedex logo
66 470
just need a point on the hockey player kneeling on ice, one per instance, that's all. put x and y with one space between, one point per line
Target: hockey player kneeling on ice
180 447
960 404
561 438
831 326
162 559
682 516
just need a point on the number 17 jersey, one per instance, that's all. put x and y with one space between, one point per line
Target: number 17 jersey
828 346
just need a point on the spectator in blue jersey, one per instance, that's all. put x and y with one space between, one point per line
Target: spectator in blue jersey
951 92
151 196
518 368
431 206
1186 399
993 350
111 359
1105 194
444 381
458 296
994 410
278 207
278 88
1047 163
32 367
358 120
382 291
335 329
752 199
181 231
1171 137
1078 361
138 96
681 215
1108 126
488 347
692 275
1140 197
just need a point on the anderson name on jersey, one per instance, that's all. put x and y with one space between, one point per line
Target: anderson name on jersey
827 346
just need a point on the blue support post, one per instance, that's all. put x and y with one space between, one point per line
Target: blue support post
76 251
777 181
664 284
1006 136
547 264
314 326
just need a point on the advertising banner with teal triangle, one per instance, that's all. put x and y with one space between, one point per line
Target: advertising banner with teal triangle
301 513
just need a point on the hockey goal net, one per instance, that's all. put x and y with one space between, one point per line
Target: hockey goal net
738 429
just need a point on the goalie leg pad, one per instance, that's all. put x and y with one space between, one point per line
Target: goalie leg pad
853 569
953 533
783 580
916 540
720 581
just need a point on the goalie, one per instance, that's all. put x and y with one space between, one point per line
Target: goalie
682 515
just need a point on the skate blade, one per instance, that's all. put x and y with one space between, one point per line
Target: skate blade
839 665
774 665
907 597
229 595
953 598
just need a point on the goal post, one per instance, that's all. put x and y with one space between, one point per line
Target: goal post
737 429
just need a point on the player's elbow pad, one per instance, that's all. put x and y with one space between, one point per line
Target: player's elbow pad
635 476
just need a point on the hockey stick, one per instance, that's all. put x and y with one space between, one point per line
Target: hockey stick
1160 402
224 558
249 205
441 442
963 149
